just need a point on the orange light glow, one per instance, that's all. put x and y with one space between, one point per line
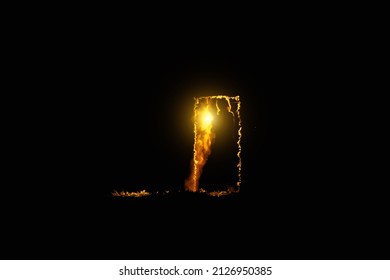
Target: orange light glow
204 135
208 118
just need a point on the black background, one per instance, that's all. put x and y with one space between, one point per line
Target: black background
108 110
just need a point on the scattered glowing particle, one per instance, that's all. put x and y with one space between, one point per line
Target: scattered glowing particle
131 194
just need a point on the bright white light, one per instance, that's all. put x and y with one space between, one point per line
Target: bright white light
208 118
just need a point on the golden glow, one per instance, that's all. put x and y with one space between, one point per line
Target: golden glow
205 109
204 135
203 138
208 118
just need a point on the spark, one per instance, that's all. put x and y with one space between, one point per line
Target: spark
131 194
204 135
203 139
